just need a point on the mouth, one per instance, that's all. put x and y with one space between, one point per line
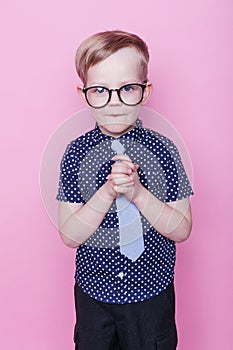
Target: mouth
114 115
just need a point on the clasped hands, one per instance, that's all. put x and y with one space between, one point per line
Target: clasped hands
124 178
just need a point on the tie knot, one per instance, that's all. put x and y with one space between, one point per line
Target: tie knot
118 147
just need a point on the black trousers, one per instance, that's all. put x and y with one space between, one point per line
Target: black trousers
146 325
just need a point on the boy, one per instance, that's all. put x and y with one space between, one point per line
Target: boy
124 292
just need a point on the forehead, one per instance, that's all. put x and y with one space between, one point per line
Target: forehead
122 66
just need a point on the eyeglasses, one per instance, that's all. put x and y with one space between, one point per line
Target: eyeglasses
99 96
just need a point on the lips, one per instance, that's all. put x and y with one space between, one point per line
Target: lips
115 115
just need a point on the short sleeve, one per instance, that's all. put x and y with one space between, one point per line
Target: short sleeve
172 182
69 189
177 182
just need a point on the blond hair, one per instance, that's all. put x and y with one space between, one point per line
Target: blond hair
101 45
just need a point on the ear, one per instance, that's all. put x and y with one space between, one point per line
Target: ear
81 94
147 93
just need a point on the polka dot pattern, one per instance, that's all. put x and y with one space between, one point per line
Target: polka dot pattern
101 270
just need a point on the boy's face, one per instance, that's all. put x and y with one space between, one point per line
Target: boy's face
121 68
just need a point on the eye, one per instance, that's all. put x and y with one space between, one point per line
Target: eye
128 88
100 90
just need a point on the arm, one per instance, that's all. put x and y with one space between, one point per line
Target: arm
171 219
78 221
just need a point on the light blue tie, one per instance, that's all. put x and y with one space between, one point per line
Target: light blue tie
130 225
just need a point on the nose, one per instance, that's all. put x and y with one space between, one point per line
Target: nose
114 98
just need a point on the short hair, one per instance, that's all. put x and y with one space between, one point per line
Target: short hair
101 45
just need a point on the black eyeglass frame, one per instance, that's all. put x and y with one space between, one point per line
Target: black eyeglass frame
85 89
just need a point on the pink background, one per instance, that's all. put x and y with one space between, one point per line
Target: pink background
191 68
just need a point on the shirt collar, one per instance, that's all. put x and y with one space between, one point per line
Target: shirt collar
134 134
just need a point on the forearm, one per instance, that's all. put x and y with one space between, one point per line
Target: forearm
171 219
81 224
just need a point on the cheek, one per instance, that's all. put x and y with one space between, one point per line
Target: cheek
134 114
99 117
96 114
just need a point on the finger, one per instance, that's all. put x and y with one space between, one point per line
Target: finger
132 165
121 157
121 189
122 168
119 179
123 181
114 176
124 161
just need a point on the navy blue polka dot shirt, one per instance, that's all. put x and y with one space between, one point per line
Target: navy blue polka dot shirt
101 270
